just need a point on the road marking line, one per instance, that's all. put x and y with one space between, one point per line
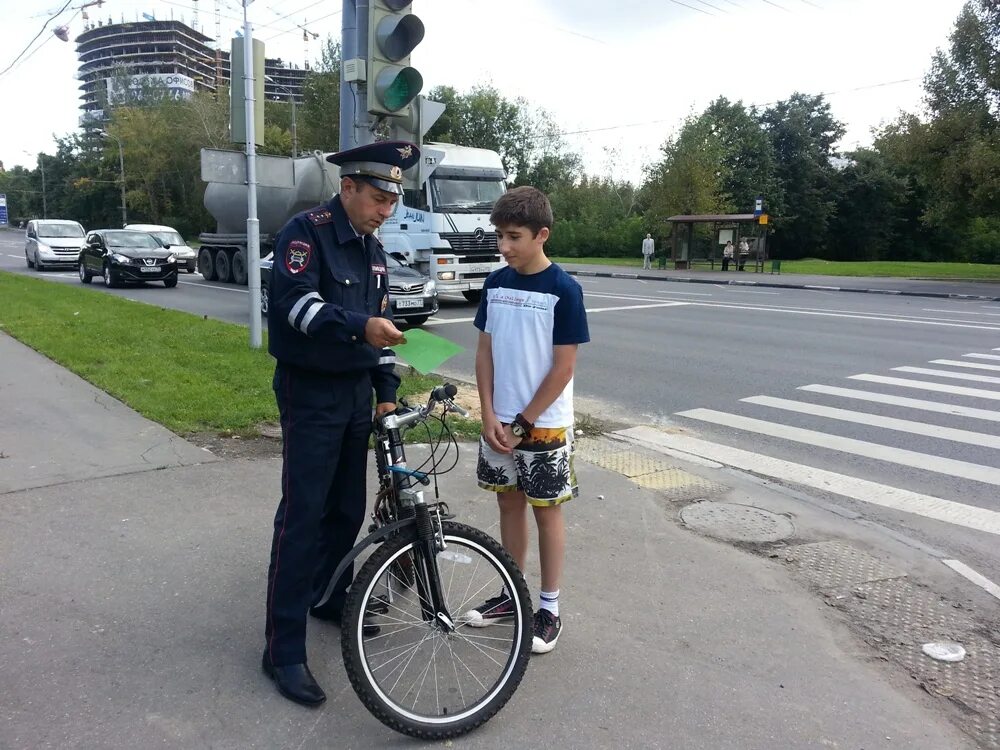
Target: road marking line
746 291
19 257
686 294
677 303
963 312
875 420
947 374
983 356
202 285
861 490
912 403
977 578
927 386
900 456
445 321
971 365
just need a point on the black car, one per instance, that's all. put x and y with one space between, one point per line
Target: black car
412 295
122 255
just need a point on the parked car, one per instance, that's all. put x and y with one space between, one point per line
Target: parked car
52 242
413 295
123 255
170 238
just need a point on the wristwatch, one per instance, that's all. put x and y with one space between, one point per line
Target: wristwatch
521 426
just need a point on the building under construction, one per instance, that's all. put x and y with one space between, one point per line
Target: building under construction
170 53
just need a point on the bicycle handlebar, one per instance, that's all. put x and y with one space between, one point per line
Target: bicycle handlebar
443 394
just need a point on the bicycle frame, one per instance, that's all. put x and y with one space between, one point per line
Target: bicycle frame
400 503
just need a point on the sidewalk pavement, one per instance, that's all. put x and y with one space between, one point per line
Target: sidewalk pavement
934 288
131 602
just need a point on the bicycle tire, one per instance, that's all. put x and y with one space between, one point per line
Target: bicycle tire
464 541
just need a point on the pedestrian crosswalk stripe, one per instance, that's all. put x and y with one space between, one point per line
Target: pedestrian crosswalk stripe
947 374
983 356
911 403
861 490
876 420
970 365
924 385
900 456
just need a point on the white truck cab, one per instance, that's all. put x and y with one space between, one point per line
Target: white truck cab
443 226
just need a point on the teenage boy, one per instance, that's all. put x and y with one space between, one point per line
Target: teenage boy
531 319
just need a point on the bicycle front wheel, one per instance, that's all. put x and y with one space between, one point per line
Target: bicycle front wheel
418 674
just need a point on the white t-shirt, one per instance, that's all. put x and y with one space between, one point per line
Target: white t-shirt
526 315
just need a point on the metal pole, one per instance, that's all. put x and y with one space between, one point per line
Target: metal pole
348 51
295 136
45 202
121 169
253 225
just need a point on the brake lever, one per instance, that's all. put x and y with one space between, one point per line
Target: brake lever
452 406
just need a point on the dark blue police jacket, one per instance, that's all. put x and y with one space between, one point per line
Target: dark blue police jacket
326 282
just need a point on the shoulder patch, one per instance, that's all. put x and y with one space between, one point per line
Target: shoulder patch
297 256
319 216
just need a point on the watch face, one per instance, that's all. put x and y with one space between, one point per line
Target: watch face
517 430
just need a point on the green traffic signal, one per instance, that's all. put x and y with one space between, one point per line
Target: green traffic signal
396 87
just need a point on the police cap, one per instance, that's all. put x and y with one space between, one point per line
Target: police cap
381 164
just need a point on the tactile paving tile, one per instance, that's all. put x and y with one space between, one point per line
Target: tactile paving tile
647 470
836 565
902 617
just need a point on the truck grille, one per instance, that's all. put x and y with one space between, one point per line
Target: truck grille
465 243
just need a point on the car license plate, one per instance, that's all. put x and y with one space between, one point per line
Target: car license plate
150 269
476 268
404 304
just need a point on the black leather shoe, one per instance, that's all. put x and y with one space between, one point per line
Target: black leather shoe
370 629
295 682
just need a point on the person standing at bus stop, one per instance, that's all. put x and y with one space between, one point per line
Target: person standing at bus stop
330 327
647 252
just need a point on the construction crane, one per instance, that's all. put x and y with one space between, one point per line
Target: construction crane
306 34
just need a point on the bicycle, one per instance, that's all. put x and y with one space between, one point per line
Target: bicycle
411 657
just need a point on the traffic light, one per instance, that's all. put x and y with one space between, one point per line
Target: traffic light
393 32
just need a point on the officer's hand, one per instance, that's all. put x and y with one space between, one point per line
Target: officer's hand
380 333
384 408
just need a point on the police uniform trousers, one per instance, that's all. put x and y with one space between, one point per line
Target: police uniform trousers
326 422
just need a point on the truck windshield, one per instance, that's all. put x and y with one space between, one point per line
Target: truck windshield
466 193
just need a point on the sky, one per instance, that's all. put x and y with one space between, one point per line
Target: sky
617 76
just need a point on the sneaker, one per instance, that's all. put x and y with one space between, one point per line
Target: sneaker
547 630
492 610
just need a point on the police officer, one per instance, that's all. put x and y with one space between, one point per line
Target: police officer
330 326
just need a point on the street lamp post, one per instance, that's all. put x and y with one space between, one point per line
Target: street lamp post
41 168
121 168
291 100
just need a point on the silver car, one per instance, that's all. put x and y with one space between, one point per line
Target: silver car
53 242
170 238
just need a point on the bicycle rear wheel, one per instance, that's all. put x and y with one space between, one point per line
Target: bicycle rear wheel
416 676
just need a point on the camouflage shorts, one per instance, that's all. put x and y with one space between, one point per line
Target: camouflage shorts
541 466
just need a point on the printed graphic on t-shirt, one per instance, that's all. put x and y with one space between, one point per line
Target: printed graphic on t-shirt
526 316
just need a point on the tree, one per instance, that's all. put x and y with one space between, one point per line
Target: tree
484 118
803 132
318 119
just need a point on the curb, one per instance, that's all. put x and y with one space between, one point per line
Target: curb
772 285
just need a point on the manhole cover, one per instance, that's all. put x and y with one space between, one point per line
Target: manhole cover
737 523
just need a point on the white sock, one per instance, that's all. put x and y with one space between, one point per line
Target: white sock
549 600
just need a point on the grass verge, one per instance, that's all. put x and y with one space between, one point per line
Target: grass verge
188 373
894 269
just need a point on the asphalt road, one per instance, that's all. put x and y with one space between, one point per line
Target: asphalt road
685 357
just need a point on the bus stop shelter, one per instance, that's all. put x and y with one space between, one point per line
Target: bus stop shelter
682 246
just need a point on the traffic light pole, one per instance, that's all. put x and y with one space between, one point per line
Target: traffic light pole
353 45
253 224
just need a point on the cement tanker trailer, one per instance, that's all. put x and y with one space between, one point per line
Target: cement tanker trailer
440 226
